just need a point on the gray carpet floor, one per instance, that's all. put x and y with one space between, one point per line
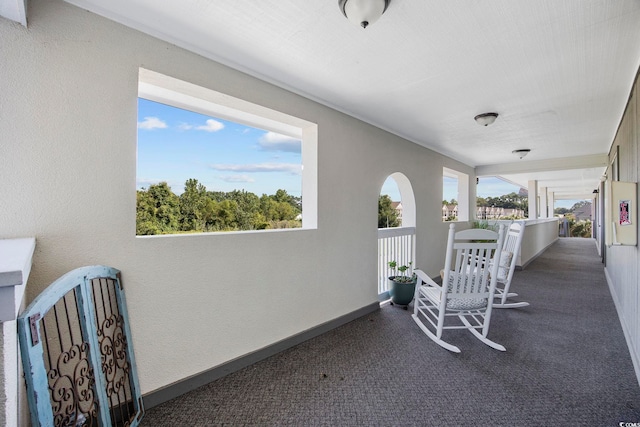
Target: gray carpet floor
567 363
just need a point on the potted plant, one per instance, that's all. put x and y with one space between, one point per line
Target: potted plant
402 286
484 225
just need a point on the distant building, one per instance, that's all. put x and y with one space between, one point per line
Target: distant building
492 212
449 211
583 212
484 212
398 207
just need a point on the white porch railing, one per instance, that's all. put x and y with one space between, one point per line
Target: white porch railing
394 244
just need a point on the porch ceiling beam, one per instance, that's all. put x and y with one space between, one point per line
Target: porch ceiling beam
15 10
565 163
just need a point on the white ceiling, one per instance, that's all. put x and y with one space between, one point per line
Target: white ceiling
559 73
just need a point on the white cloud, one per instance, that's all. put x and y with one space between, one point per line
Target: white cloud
291 168
272 141
236 178
211 126
150 123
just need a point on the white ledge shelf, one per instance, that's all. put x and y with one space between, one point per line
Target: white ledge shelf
15 265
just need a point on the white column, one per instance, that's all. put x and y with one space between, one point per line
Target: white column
552 202
533 199
544 203
464 197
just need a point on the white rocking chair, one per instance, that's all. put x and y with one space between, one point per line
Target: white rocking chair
507 266
467 290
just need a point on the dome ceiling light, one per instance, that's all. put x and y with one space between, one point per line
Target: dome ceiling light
363 12
486 119
521 153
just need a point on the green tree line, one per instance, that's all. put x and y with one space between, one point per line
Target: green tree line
388 216
160 211
507 201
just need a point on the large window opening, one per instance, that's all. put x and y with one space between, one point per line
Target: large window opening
499 199
208 162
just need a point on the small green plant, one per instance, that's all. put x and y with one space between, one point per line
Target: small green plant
406 272
485 225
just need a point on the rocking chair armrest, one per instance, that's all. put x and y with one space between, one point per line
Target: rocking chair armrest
423 277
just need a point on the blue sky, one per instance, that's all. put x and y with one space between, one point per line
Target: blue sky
175 145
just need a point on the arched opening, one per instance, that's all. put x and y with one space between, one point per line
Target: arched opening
396 243
397 188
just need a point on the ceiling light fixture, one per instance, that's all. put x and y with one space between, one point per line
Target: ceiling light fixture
486 119
363 12
522 152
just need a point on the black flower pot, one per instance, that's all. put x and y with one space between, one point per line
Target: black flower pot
401 292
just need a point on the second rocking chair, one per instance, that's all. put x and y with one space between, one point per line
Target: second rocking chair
507 266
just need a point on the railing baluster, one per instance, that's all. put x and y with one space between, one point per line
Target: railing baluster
394 244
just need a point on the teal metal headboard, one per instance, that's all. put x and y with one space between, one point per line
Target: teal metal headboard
77 354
